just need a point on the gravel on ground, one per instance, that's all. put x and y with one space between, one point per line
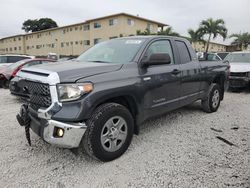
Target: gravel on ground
184 148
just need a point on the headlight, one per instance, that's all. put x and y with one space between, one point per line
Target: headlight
70 92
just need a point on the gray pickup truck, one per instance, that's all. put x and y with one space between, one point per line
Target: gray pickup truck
99 100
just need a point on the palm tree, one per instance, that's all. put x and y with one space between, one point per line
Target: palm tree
195 36
242 40
168 31
213 28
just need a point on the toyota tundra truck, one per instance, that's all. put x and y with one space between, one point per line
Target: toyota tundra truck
99 100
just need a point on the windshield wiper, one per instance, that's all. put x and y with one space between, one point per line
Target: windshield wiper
99 61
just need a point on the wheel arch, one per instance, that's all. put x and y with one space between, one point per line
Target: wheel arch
126 100
220 80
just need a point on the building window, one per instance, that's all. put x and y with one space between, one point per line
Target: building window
76 42
6 49
53 45
86 27
80 28
20 48
64 31
131 22
76 28
19 38
15 48
71 43
71 29
67 43
97 25
38 46
86 42
14 39
113 22
113 37
96 41
62 44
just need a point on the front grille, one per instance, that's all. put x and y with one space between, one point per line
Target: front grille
38 94
238 74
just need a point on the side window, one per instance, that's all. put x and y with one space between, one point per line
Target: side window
45 62
13 59
161 46
183 51
32 63
3 59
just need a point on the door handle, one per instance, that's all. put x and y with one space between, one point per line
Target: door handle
176 71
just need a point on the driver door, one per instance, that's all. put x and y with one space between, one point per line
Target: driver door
161 82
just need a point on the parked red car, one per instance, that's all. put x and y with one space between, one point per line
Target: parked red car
9 72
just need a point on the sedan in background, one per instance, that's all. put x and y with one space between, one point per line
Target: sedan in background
239 69
6 60
9 72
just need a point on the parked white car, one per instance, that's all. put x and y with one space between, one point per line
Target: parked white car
239 68
8 59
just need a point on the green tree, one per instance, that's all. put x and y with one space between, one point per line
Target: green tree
145 32
168 31
242 40
38 25
213 28
195 36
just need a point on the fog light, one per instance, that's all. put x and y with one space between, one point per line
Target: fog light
60 132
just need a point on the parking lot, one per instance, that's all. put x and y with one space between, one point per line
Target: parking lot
184 148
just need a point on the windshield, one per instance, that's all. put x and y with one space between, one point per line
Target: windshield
3 59
239 57
113 51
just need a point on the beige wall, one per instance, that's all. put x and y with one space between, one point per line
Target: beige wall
73 40
13 44
213 47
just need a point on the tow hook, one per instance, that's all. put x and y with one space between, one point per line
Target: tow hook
24 120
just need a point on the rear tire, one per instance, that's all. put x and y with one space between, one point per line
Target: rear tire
109 132
212 101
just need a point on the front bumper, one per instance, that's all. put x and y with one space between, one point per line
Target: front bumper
238 82
46 129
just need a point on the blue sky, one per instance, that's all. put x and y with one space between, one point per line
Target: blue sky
180 14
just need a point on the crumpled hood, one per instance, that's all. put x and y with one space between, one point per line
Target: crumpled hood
239 67
71 71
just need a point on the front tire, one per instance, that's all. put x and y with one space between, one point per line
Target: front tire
6 84
109 132
212 101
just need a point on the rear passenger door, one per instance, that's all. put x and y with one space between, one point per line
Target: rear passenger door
190 73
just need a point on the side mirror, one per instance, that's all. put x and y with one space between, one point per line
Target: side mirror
157 59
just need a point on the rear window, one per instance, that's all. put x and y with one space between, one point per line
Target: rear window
183 51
